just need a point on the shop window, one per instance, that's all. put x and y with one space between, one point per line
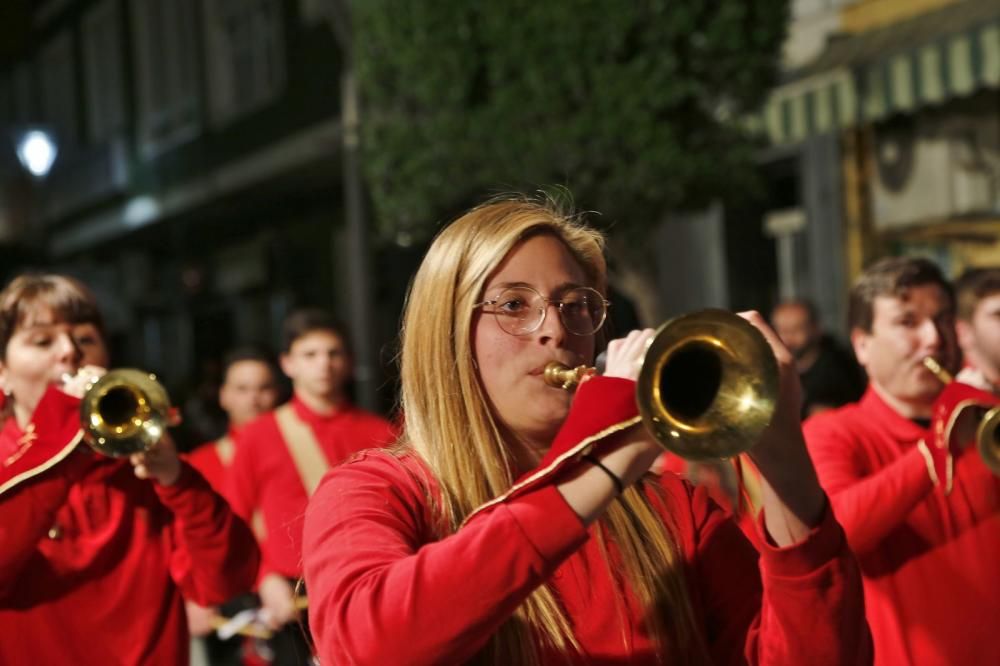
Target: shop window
245 56
166 55
57 89
102 60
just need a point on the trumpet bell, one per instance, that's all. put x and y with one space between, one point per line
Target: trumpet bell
988 440
708 385
125 411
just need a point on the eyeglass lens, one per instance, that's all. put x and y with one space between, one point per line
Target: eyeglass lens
521 310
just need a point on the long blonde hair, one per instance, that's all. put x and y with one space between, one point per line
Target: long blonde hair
449 426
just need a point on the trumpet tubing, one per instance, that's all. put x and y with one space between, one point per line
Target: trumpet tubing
988 430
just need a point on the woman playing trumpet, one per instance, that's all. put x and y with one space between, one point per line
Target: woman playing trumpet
515 522
94 551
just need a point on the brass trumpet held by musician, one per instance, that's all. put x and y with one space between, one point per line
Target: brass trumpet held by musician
957 401
708 385
125 411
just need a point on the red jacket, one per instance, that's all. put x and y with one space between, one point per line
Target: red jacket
264 478
208 459
93 561
930 561
384 590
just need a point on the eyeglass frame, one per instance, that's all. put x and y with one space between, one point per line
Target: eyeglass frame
558 302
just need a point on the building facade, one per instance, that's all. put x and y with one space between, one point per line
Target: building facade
889 115
199 185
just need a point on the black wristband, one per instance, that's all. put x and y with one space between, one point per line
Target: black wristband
619 486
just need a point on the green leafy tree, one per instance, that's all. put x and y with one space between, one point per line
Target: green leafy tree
634 107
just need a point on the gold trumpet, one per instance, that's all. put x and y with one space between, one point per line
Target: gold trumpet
707 388
125 411
988 430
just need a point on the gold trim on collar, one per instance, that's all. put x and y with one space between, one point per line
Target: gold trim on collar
48 464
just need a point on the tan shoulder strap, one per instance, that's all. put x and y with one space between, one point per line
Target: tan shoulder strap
302 444
225 449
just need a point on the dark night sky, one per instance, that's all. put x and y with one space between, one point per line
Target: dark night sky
15 27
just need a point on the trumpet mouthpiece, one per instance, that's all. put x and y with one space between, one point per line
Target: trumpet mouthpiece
564 377
943 375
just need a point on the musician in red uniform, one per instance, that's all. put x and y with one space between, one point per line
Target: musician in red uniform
281 456
923 520
516 523
249 388
95 552
978 325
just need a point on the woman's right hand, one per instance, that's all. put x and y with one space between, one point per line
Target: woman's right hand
624 359
278 601
76 385
627 454
625 355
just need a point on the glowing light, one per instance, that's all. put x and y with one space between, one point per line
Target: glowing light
141 210
37 152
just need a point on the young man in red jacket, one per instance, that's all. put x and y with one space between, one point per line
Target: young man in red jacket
282 455
927 551
249 389
978 326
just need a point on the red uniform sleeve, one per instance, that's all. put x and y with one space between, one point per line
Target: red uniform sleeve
802 604
214 556
378 596
35 479
28 511
868 505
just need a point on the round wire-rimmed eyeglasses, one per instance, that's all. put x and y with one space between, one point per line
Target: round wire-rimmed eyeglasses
521 310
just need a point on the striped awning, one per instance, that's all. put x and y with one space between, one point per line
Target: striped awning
953 52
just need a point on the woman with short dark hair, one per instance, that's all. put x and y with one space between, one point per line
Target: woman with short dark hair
95 552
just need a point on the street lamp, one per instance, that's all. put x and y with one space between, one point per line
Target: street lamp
36 150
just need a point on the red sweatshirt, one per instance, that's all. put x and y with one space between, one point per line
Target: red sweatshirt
930 561
213 459
93 561
384 590
264 478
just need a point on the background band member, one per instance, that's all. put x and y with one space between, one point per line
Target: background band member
282 455
95 551
249 388
431 553
830 375
928 557
978 326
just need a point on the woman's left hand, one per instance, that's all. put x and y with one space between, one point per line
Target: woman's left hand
792 497
785 429
160 462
